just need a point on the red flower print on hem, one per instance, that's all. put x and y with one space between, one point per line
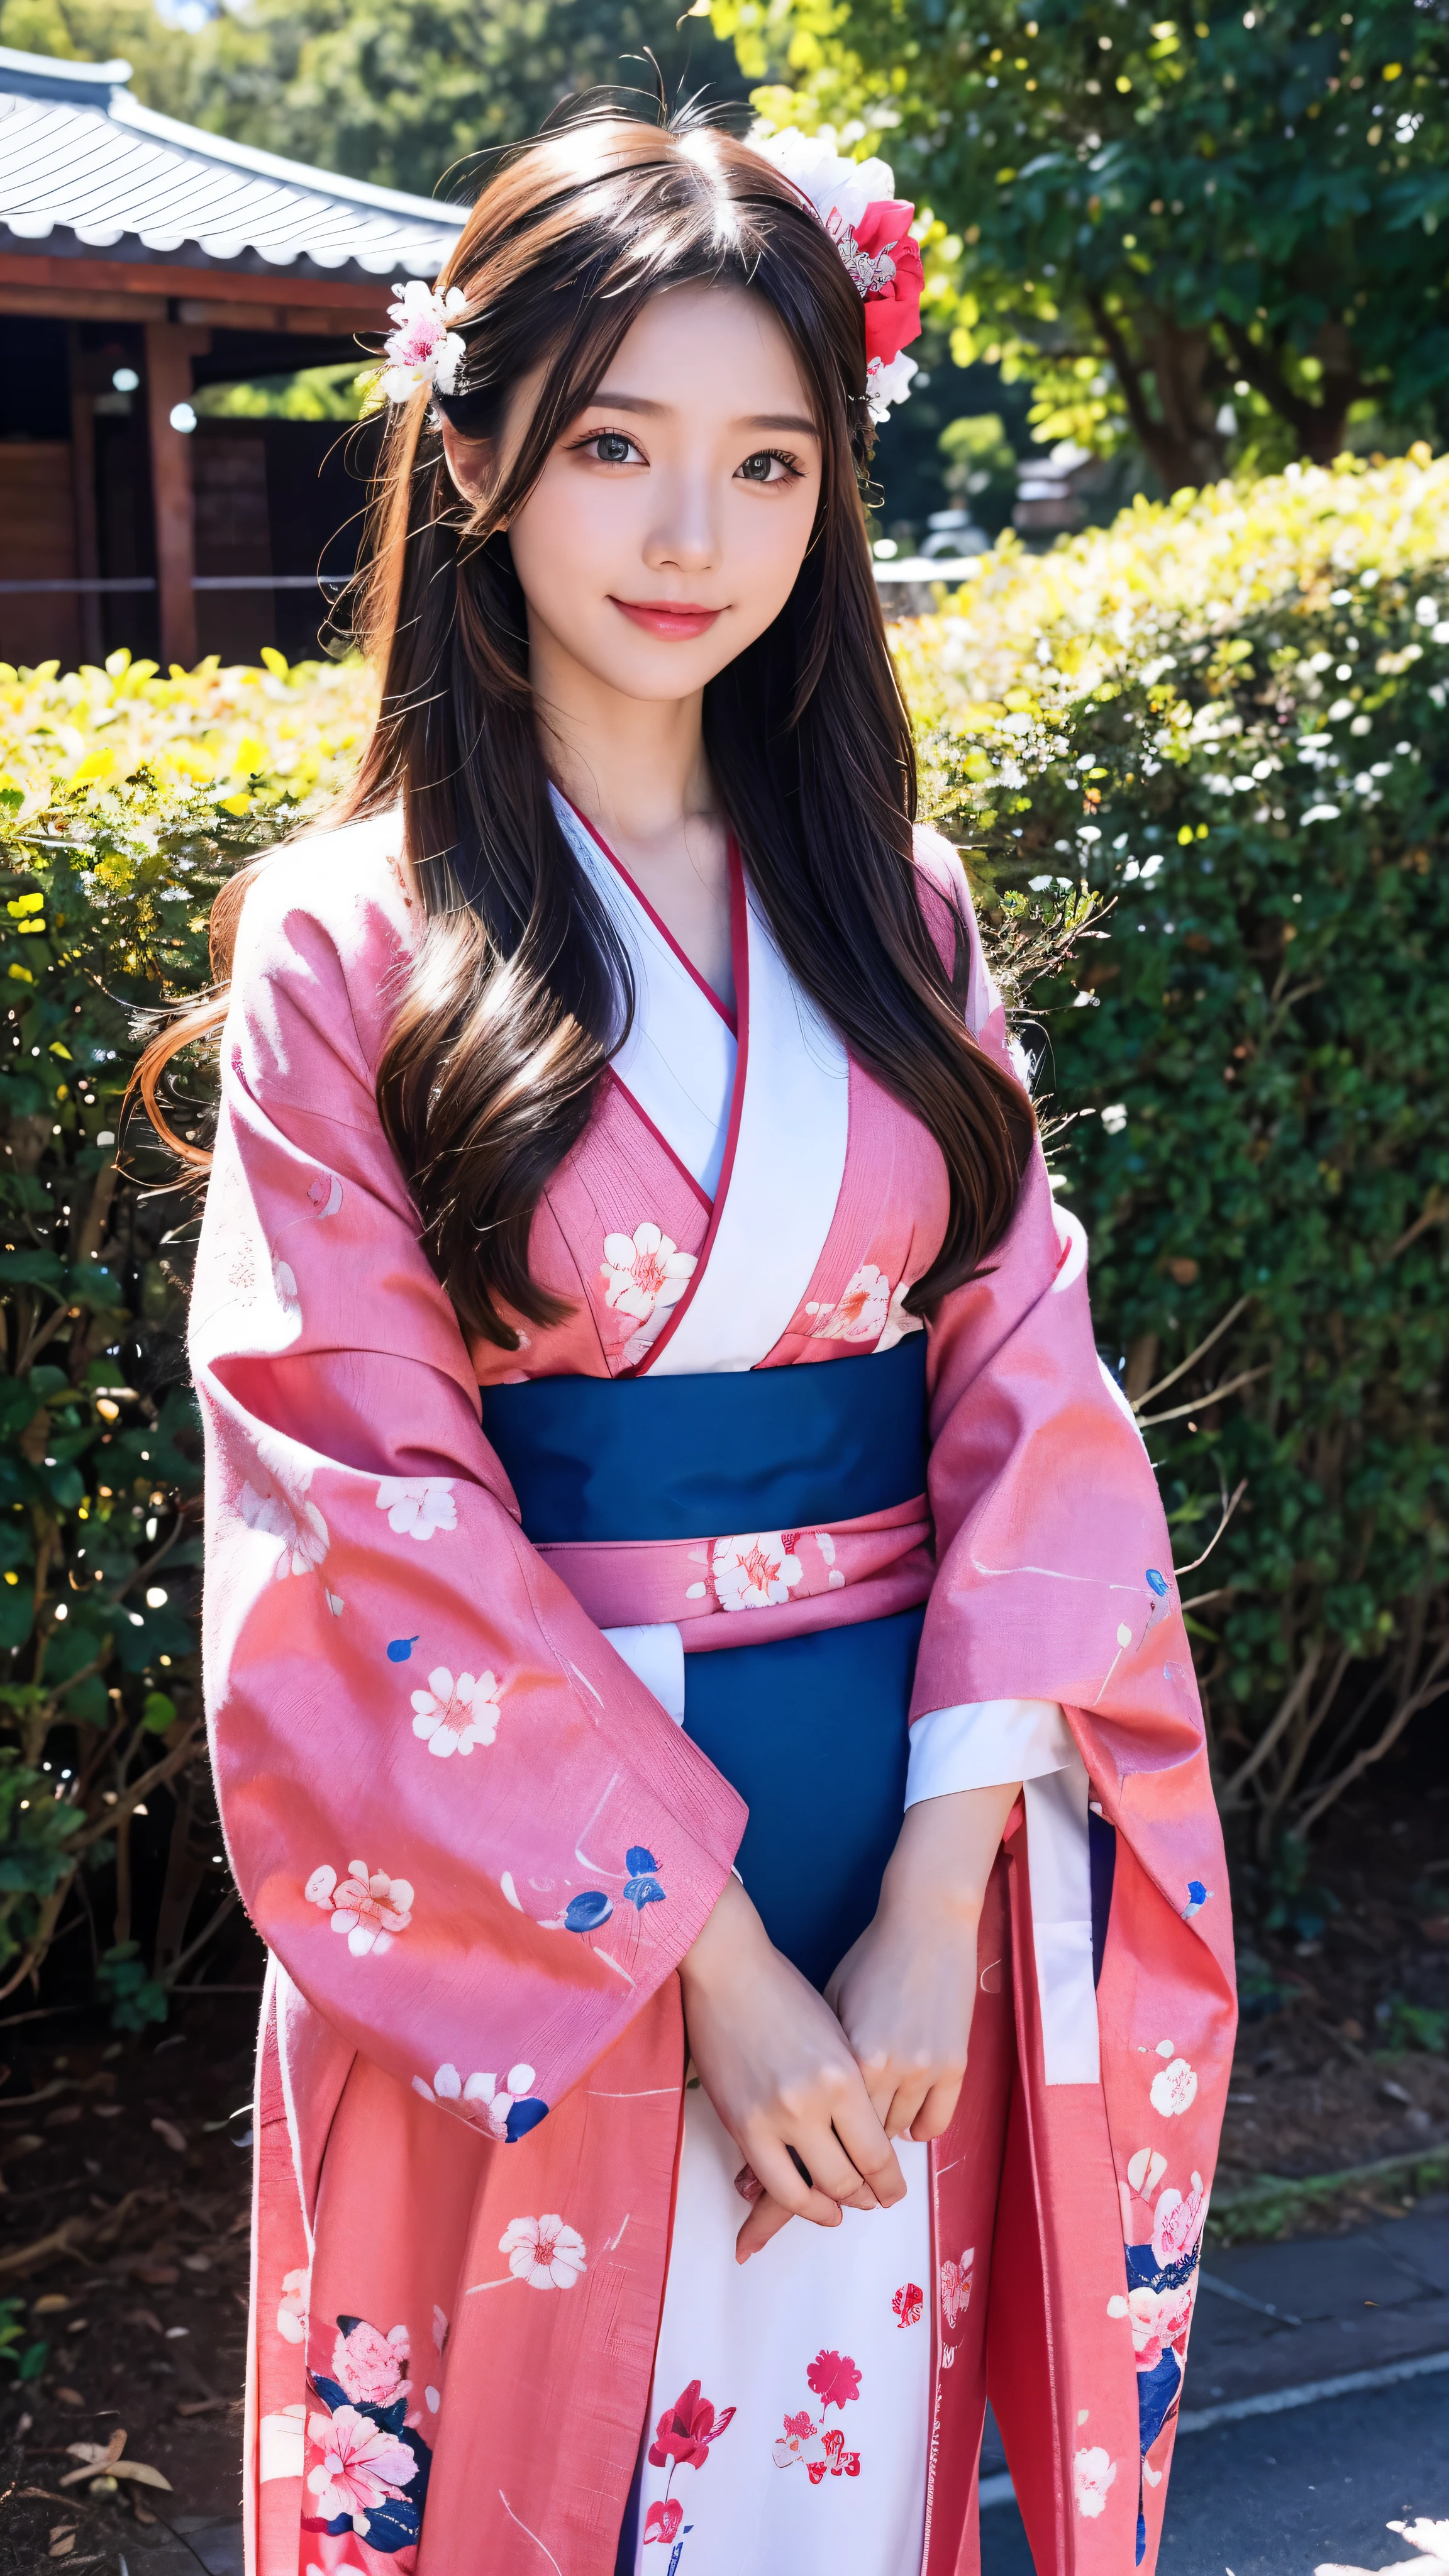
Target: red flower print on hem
686 2429
908 2304
682 2438
834 2378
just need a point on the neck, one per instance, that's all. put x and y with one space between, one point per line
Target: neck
635 766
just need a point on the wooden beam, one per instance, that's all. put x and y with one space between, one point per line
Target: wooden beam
169 352
77 307
124 283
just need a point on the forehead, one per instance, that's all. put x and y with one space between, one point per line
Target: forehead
708 348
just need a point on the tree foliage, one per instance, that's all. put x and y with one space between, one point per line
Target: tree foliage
1214 231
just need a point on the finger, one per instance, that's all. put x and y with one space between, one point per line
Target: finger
771 2162
907 2103
765 2221
862 2134
826 2164
938 2110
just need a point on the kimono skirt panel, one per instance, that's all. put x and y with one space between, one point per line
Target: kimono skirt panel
811 2368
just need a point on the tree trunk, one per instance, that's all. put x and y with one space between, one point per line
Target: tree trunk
1177 426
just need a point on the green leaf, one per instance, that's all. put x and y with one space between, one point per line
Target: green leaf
158 1713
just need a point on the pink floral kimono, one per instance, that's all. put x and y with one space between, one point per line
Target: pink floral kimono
495 2322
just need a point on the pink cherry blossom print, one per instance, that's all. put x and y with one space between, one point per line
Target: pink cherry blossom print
908 2305
1177 2224
644 1271
1092 2474
860 1311
1160 2323
279 1508
543 2252
452 1716
368 1906
834 2378
370 2365
1174 2090
361 2466
663 2520
754 1572
417 1505
292 2309
956 2286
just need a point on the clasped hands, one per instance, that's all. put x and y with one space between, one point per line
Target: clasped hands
813 2089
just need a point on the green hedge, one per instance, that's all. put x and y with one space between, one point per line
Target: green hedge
1249 1060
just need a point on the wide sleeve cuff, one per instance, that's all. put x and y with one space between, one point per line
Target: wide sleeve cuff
984 1744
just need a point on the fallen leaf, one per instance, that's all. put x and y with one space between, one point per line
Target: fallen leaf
143 2317
70 2397
141 2514
200 2405
62 2547
109 2110
51 2304
197 2262
67 2111
156 2276
144 2476
170 2136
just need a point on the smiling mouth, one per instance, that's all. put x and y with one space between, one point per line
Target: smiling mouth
674 618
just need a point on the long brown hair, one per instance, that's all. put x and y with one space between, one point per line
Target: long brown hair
520 989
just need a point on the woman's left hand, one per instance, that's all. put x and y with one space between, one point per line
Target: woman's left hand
905 1991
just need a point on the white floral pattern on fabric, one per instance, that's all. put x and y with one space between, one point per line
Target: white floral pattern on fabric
503 2111
285 1512
645 1274
543 2252
418 1505
284 1281
1175 2089
292 2310
859 1313
452 1716
899 1322
361 2466
956 2286
1093 2472
367 1906
753 1572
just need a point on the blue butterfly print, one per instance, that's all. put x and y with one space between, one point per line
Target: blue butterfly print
642 1886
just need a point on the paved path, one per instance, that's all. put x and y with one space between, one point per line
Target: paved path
1283 2493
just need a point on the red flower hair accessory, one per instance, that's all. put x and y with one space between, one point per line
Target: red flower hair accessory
871 228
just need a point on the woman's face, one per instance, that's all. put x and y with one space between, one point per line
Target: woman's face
672 516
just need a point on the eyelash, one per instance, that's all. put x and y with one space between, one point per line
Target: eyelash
781 455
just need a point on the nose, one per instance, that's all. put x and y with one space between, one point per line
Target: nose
684 532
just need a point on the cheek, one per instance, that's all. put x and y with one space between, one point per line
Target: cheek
768 541
568 523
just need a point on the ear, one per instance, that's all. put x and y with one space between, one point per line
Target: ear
469 461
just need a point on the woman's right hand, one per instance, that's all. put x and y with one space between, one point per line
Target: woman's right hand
774 2061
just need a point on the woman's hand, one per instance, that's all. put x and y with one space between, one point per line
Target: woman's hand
905 1991
774 2061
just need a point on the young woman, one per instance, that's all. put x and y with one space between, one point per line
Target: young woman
647 1792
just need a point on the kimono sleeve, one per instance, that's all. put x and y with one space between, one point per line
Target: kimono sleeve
472 1837
1054 1567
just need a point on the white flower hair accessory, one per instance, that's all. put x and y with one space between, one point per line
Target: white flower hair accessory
422 350
871 228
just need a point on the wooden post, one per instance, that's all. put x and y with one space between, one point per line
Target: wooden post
169 350
83 475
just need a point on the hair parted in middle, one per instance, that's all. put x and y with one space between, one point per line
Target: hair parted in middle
520 988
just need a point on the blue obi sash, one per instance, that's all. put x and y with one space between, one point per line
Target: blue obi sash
810 1730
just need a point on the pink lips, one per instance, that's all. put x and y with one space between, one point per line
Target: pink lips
674 618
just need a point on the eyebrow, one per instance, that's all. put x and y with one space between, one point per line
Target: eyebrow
606 400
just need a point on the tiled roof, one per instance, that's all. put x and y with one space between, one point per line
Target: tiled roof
85 168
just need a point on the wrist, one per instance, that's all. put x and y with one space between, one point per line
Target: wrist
731 1927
